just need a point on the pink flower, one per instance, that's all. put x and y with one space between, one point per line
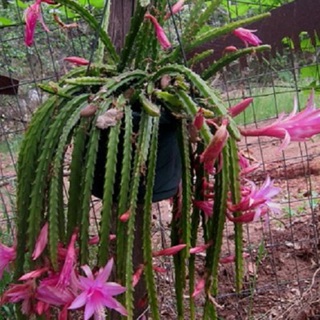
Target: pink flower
51 293
20 292
159 269
31 16
245 166
67 269
41 242
42 308
247 36
178 6
161 36
77 61
232 258
201 248
169 251
97 293
295 127
198 119
137 275
229 49
206 185
199 287
125 216
33 274
213 150
7 255
205 206
95 239
241 106
257 202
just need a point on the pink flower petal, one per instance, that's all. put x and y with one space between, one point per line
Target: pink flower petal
67 269
161 36
240 107
169 251
41 242
77 61
214 149
205 205
104 273
178 6
125 216
137 275
199 287
199 119
247 36
201 248
33 274
79 301
295 127
90 309
31 15
7 255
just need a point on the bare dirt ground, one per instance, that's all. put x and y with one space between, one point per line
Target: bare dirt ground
282 274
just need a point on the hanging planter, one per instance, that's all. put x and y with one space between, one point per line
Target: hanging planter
119 120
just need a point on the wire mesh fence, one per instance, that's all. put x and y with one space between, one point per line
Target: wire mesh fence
282 256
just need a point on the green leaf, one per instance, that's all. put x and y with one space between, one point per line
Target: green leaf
5 21
95 3
21 4
99 4
309 72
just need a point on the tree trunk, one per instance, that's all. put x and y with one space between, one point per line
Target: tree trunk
121 13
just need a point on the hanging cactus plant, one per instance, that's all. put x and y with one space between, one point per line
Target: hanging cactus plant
109 115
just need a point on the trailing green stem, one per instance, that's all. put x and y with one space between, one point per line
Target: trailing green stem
147 213
217 226
236 197
230 57
141 152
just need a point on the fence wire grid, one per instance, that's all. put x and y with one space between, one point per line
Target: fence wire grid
282 267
